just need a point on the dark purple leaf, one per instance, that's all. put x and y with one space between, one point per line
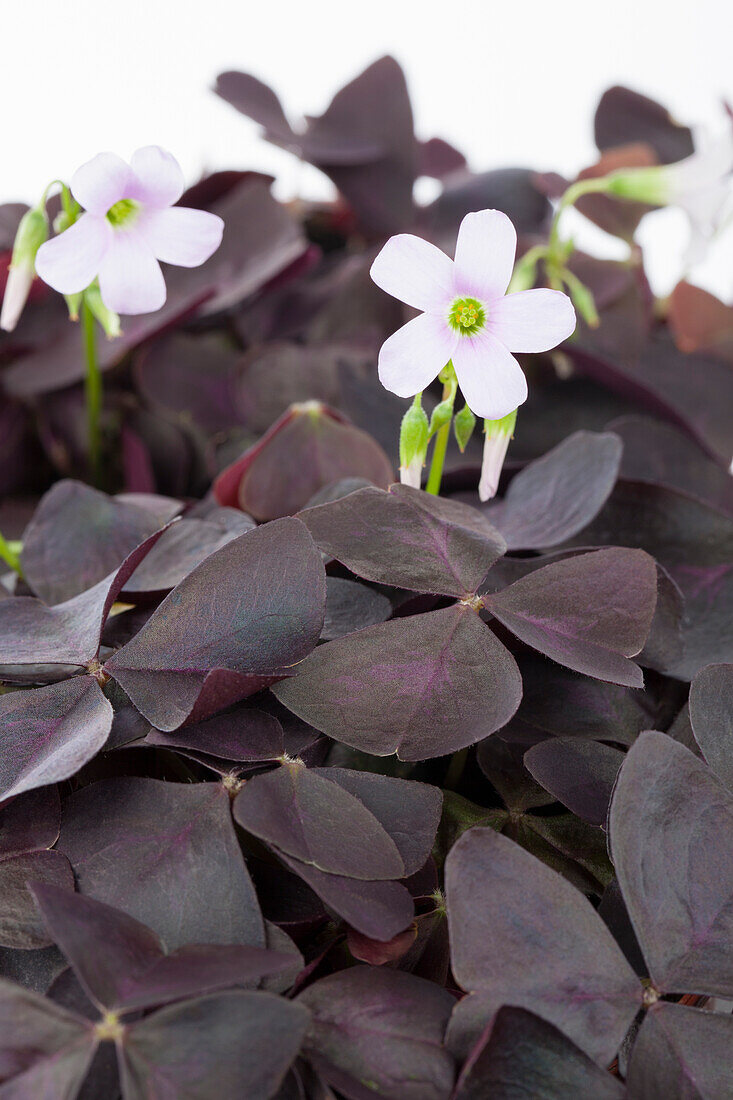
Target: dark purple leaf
302 813
45 1051
39 642
590 613
31 822
553 956
664 647
660 454
121 963
50 732
503 766
681 1053
670 824
579 773
351 606
521 1055
182 547
309 447
557 495
711 717
421 686
20 925
167 854
229 1044
377 909
566 704
57 563
239 621
242 734
624 116
699 321
380 1032
408 811
512 190
408 538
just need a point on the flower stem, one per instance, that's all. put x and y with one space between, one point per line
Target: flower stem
440 446
455 769
92 392
574 192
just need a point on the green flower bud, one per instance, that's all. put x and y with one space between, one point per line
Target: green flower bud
441 416
463 426
413 444
109 321
582 298
31 234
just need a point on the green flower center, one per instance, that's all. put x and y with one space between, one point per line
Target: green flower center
123 212
466 316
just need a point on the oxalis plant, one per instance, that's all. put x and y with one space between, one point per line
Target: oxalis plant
317 784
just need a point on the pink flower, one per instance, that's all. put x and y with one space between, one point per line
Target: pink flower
467 318
129 225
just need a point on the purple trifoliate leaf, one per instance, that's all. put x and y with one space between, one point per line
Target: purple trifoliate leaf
556 496
227 1044
241 620
408 538
579 773
49 733
590 613
420 686
553 956
711 717
670 825
167 854
376 1031
520 1054
682 1052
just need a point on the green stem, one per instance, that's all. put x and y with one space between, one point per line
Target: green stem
440 446
10 556
571 196
92 391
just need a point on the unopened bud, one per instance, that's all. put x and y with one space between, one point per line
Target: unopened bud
496 442
109 320
463 426
583 300
413 444
441 416
32 232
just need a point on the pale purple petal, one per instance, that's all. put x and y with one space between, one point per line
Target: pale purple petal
71 261
414 271
490 378
485 251
415 354
179 235
17 289
496 445
130 279
101 182
157 177
532 320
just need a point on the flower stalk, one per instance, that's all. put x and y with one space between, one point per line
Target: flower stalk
442 434
92 391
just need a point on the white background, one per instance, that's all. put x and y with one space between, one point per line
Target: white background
511 83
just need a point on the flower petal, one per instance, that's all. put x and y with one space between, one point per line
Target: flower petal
414 271
130 279
101 182
179 235
415 354
158 179
532 320
485 251
71 261
490 378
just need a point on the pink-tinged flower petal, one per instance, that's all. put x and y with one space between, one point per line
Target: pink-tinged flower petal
532 320
485 251
414 271
101 182
490 378
179 235
17 289
71 261
130 279
415 354
157 177
496 445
